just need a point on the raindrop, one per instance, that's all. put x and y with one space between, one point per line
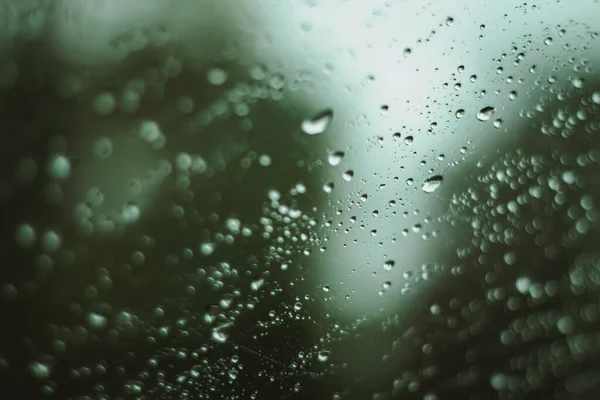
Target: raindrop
318 123
396 136
460 113
323 356
103 148
348 175
335 158
216 76
408 140
25 236
432 184
39 370
485 113
96 321
388 265
104 103
498 123
407 52
257 284
59 168
578 83
328 187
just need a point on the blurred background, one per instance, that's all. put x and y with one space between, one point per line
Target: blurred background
273 199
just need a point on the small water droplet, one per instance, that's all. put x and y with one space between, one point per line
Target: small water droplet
328 187
335 158
485 113
318 123
460 113
388 265
348 175
432 184
323 355
498 123
407 52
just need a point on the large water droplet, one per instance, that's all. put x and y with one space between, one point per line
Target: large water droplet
318 123
432 184
485 113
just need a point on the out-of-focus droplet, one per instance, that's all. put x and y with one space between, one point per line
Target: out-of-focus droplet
335 158
104 103
59 167
39 370
216 76
103 148
318 123
328 187
96 321
432 184
485 113
25 236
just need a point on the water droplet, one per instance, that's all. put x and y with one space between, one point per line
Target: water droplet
348 175
498 123
219 334
51 241
216 76
407 52
39 370
578 83
25 236
323 355
328 187
396 136
257 284
432 184
104 103
408 140
388 265
59 168
449 21
335 158
485 113
460 113
96 321
548 41
318 123
103 148
596 97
